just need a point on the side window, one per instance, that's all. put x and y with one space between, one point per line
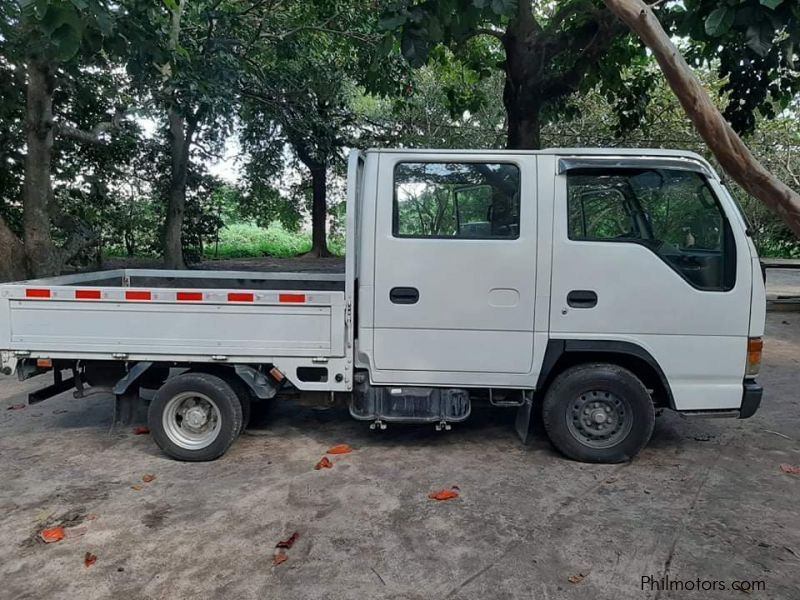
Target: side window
456 200
673 213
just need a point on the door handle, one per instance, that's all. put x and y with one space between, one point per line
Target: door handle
582 299
404 295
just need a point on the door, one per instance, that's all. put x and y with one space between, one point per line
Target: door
646 253
455 256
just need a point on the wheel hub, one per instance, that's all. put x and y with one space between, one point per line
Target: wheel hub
196 417
599 419
191 420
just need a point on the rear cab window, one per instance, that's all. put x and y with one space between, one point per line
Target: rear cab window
452 200
674 213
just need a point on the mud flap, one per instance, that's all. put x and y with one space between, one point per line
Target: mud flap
522 424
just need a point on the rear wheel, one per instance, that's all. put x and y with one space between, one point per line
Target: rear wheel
598 412
195 417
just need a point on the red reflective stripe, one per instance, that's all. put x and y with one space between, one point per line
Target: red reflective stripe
37 293
134 295
240 297
295 298
87 294
189 296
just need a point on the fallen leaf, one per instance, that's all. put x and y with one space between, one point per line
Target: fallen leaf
576 578
140 431
443 495
17 406
89 559
137 487
91 517
790 469
340 449
324 463
52 534
288 542
279 558
147 477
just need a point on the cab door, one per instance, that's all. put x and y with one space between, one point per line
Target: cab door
455 274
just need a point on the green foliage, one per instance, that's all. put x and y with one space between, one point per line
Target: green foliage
753 44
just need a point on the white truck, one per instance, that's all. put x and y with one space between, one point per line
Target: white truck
597 286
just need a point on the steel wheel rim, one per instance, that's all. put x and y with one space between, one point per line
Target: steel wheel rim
191 420
599 418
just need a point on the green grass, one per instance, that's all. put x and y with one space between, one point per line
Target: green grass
243 240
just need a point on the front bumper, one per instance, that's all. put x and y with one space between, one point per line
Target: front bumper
751 398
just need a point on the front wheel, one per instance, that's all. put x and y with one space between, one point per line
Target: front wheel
598 413
195 417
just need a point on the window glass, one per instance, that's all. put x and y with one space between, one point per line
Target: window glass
456 200
674 213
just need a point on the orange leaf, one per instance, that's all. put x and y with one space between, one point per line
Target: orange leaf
443 495
790 469
288 542
324 463
340 449
140 431
279 558
147 477
89 559
576 578
52 534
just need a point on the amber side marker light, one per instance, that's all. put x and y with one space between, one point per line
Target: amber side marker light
754 347
44 363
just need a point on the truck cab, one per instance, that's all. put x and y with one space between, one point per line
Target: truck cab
579 278
597 286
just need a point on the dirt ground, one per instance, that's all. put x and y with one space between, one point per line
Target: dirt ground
707 499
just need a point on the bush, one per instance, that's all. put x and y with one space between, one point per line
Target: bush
242 240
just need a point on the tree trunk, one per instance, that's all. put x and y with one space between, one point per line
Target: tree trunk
521 93
721 139
319 212
12 255
41 257
179 140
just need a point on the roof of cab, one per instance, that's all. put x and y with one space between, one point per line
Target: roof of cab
632 153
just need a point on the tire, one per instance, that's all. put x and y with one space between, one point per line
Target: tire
209 402
245 397
598 413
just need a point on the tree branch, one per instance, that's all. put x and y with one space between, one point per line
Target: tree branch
719 136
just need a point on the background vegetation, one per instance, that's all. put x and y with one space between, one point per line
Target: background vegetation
118 118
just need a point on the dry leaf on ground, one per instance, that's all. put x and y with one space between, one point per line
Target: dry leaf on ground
340 449
288 542
17 406
577 578
52 534
140 431
790 469
89 559
324 463
443 495
147 477
279 558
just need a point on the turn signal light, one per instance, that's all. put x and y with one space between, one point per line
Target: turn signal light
44 363
754 348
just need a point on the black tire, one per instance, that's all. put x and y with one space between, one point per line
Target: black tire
599 413
215 399
245 396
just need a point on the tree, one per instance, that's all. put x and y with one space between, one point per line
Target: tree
187 59
719 135
546 54
301 84
45 44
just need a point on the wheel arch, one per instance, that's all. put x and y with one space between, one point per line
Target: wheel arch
562 354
